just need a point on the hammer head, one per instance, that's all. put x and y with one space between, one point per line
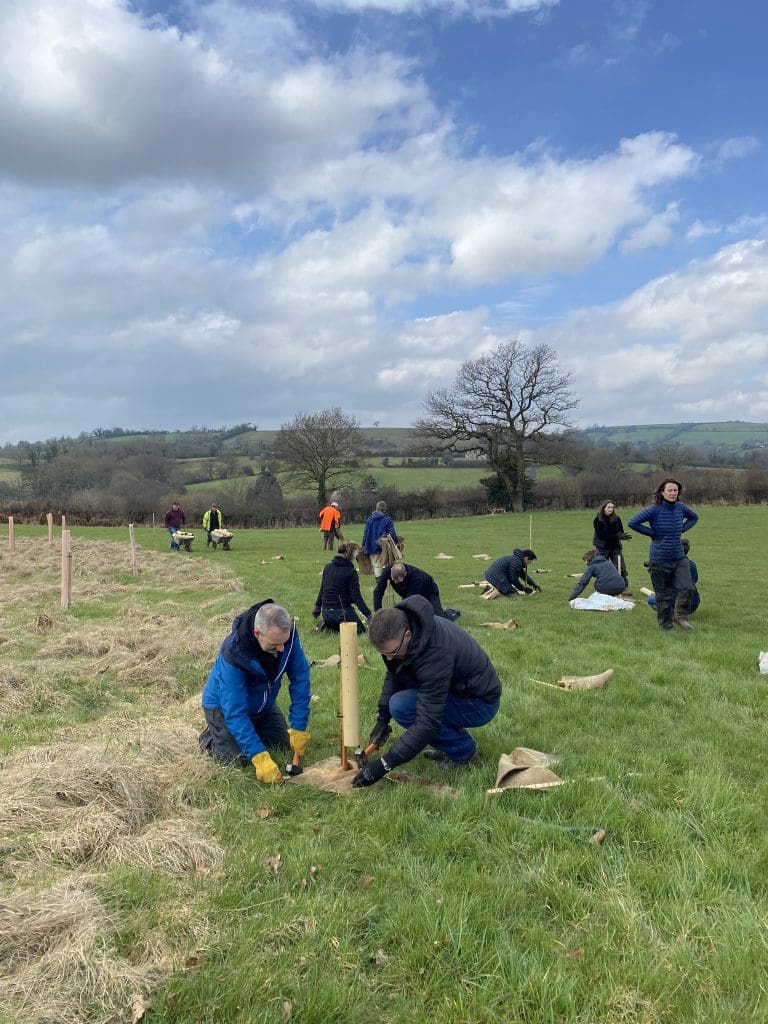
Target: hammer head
293 769
360 758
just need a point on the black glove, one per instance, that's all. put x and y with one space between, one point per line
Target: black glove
371 774
537 587
625 536
315 613
380 733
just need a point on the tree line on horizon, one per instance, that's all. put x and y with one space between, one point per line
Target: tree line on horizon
509 408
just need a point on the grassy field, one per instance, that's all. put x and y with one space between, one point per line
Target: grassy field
394 905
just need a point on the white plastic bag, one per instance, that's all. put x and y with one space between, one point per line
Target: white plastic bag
763 662
601 603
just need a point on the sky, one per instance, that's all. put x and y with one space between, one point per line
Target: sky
223 212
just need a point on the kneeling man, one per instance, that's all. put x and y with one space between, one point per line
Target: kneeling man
239 698
439 682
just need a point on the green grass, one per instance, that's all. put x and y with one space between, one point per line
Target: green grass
462 912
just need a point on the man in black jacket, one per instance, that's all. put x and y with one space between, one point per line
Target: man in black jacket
408 580
439 682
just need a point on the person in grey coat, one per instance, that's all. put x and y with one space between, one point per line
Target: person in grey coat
605 574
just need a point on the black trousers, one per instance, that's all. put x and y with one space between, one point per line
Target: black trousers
672 586
218 741
333 617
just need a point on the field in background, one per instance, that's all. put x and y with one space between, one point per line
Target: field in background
394 905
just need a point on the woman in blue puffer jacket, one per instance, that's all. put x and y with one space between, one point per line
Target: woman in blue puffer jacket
664 522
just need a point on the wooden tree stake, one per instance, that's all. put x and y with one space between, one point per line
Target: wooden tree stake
66 569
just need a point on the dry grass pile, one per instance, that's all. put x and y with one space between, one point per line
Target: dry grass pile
101 803
143 646
57 962
101 568
127 795
126 799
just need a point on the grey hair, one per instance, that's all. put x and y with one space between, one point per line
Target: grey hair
387 624
272 616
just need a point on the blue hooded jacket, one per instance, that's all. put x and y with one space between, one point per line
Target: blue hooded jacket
239 686
376 526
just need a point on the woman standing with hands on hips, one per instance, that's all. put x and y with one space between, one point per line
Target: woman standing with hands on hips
664 522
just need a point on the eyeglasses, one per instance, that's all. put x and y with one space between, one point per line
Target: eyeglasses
394 654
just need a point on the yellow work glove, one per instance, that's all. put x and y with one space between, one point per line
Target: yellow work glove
266 769
299 741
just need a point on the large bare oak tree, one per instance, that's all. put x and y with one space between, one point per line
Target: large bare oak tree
315 446
503 403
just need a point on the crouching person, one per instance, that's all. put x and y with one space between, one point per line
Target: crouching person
605 574
239 698
438 683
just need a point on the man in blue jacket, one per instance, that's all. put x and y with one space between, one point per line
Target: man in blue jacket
239 698
378 524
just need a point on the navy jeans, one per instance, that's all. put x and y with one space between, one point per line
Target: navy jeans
460 714
672 585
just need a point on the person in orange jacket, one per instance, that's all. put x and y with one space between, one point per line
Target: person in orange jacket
330 521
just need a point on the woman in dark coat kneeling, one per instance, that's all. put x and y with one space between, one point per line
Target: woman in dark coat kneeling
340 590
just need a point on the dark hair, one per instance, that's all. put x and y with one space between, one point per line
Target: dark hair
601 511
387 624
589 555
530 555
348 549
657 495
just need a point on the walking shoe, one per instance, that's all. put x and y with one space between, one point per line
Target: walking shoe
683 623
434 755
448 763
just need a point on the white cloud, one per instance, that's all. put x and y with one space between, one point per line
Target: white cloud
686 341
738 147
457 8
657 230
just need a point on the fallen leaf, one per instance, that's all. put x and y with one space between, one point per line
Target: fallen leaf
273 863
264 812
574 954
138 1007
192 962
380 958
365 881
287 1009
314 868
442 554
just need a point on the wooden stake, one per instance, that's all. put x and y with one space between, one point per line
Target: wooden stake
63 523
66 569
132 535
49 517
11 536
530 533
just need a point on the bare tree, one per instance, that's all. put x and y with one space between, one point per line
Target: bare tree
503 404
315 446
